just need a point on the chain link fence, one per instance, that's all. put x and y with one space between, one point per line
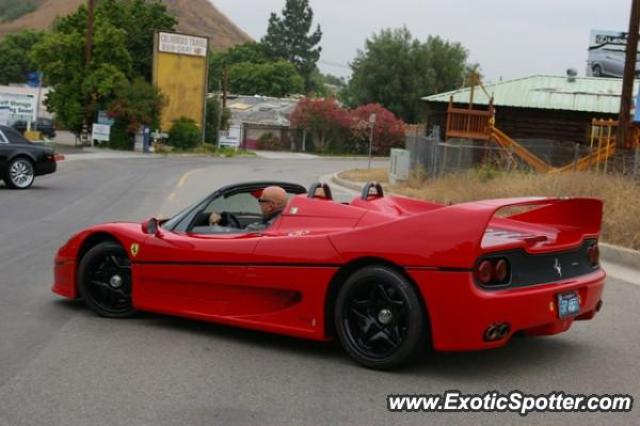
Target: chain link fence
456 155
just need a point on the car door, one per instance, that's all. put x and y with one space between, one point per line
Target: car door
197 268
192 274
5 149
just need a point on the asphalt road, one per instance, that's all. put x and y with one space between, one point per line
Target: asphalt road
62 365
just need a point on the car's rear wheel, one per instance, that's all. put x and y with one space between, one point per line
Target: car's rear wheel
20 174
104 276
379 318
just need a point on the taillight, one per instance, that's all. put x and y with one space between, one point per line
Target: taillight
502 270
593 255
493 271
484 271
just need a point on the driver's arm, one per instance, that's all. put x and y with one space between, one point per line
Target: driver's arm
214 218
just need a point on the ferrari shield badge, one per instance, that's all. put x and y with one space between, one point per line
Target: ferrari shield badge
135 248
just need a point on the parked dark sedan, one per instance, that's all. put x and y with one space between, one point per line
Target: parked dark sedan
43 125
21 160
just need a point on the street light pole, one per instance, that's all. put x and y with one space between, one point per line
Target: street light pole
372 124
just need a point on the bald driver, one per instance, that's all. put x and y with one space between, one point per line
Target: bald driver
272 202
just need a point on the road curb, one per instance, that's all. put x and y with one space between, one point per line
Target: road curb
620 255
353 186
610 253
352 158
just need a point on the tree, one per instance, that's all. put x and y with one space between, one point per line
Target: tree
251 52
212 122
80 90
15 61
252 72
388 131
277 79
137 103
140 19
121 56
289 37
397 70
324 119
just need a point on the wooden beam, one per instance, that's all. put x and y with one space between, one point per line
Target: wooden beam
629 73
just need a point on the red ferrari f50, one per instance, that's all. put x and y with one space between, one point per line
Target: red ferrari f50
389 276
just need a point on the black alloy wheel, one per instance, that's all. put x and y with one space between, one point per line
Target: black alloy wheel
379 318
20 174
104 276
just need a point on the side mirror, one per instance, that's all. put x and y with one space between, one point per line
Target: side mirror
151 227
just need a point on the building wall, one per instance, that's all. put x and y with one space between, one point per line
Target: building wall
528 123
253 133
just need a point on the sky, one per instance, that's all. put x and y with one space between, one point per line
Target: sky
508 38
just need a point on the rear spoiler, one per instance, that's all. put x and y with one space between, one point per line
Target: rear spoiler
452 236
568 220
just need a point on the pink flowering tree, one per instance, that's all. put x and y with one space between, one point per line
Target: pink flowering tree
388 131
324 119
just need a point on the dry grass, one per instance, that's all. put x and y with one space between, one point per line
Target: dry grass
365 175
621 196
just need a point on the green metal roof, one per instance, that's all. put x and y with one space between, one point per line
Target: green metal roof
599 95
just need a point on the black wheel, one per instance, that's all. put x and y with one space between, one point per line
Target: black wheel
20 174
379 318
104 277
596 71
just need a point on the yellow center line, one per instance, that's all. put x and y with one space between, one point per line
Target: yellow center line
186 176
181 182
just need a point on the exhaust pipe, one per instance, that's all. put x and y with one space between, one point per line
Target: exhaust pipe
497 331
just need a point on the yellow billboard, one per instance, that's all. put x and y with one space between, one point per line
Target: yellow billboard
180 68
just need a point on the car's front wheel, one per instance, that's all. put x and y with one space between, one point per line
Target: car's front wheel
104 277
379 318
20 174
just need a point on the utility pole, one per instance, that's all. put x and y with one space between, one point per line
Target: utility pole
629 74
88 47
91 7
225 87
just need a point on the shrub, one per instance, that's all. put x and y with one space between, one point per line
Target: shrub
120 138
184 134
213 121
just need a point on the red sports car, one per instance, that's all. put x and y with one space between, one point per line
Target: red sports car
389 276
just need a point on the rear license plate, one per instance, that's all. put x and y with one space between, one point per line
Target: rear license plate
568 304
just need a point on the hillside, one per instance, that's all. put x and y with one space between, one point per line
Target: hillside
195 17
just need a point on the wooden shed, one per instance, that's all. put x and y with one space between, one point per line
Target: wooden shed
557 108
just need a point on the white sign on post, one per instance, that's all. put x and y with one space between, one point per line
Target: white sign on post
5 113
183 44
22 106
100 132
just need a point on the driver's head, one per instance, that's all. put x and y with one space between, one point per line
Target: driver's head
272 200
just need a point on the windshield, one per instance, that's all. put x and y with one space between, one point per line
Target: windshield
175 220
